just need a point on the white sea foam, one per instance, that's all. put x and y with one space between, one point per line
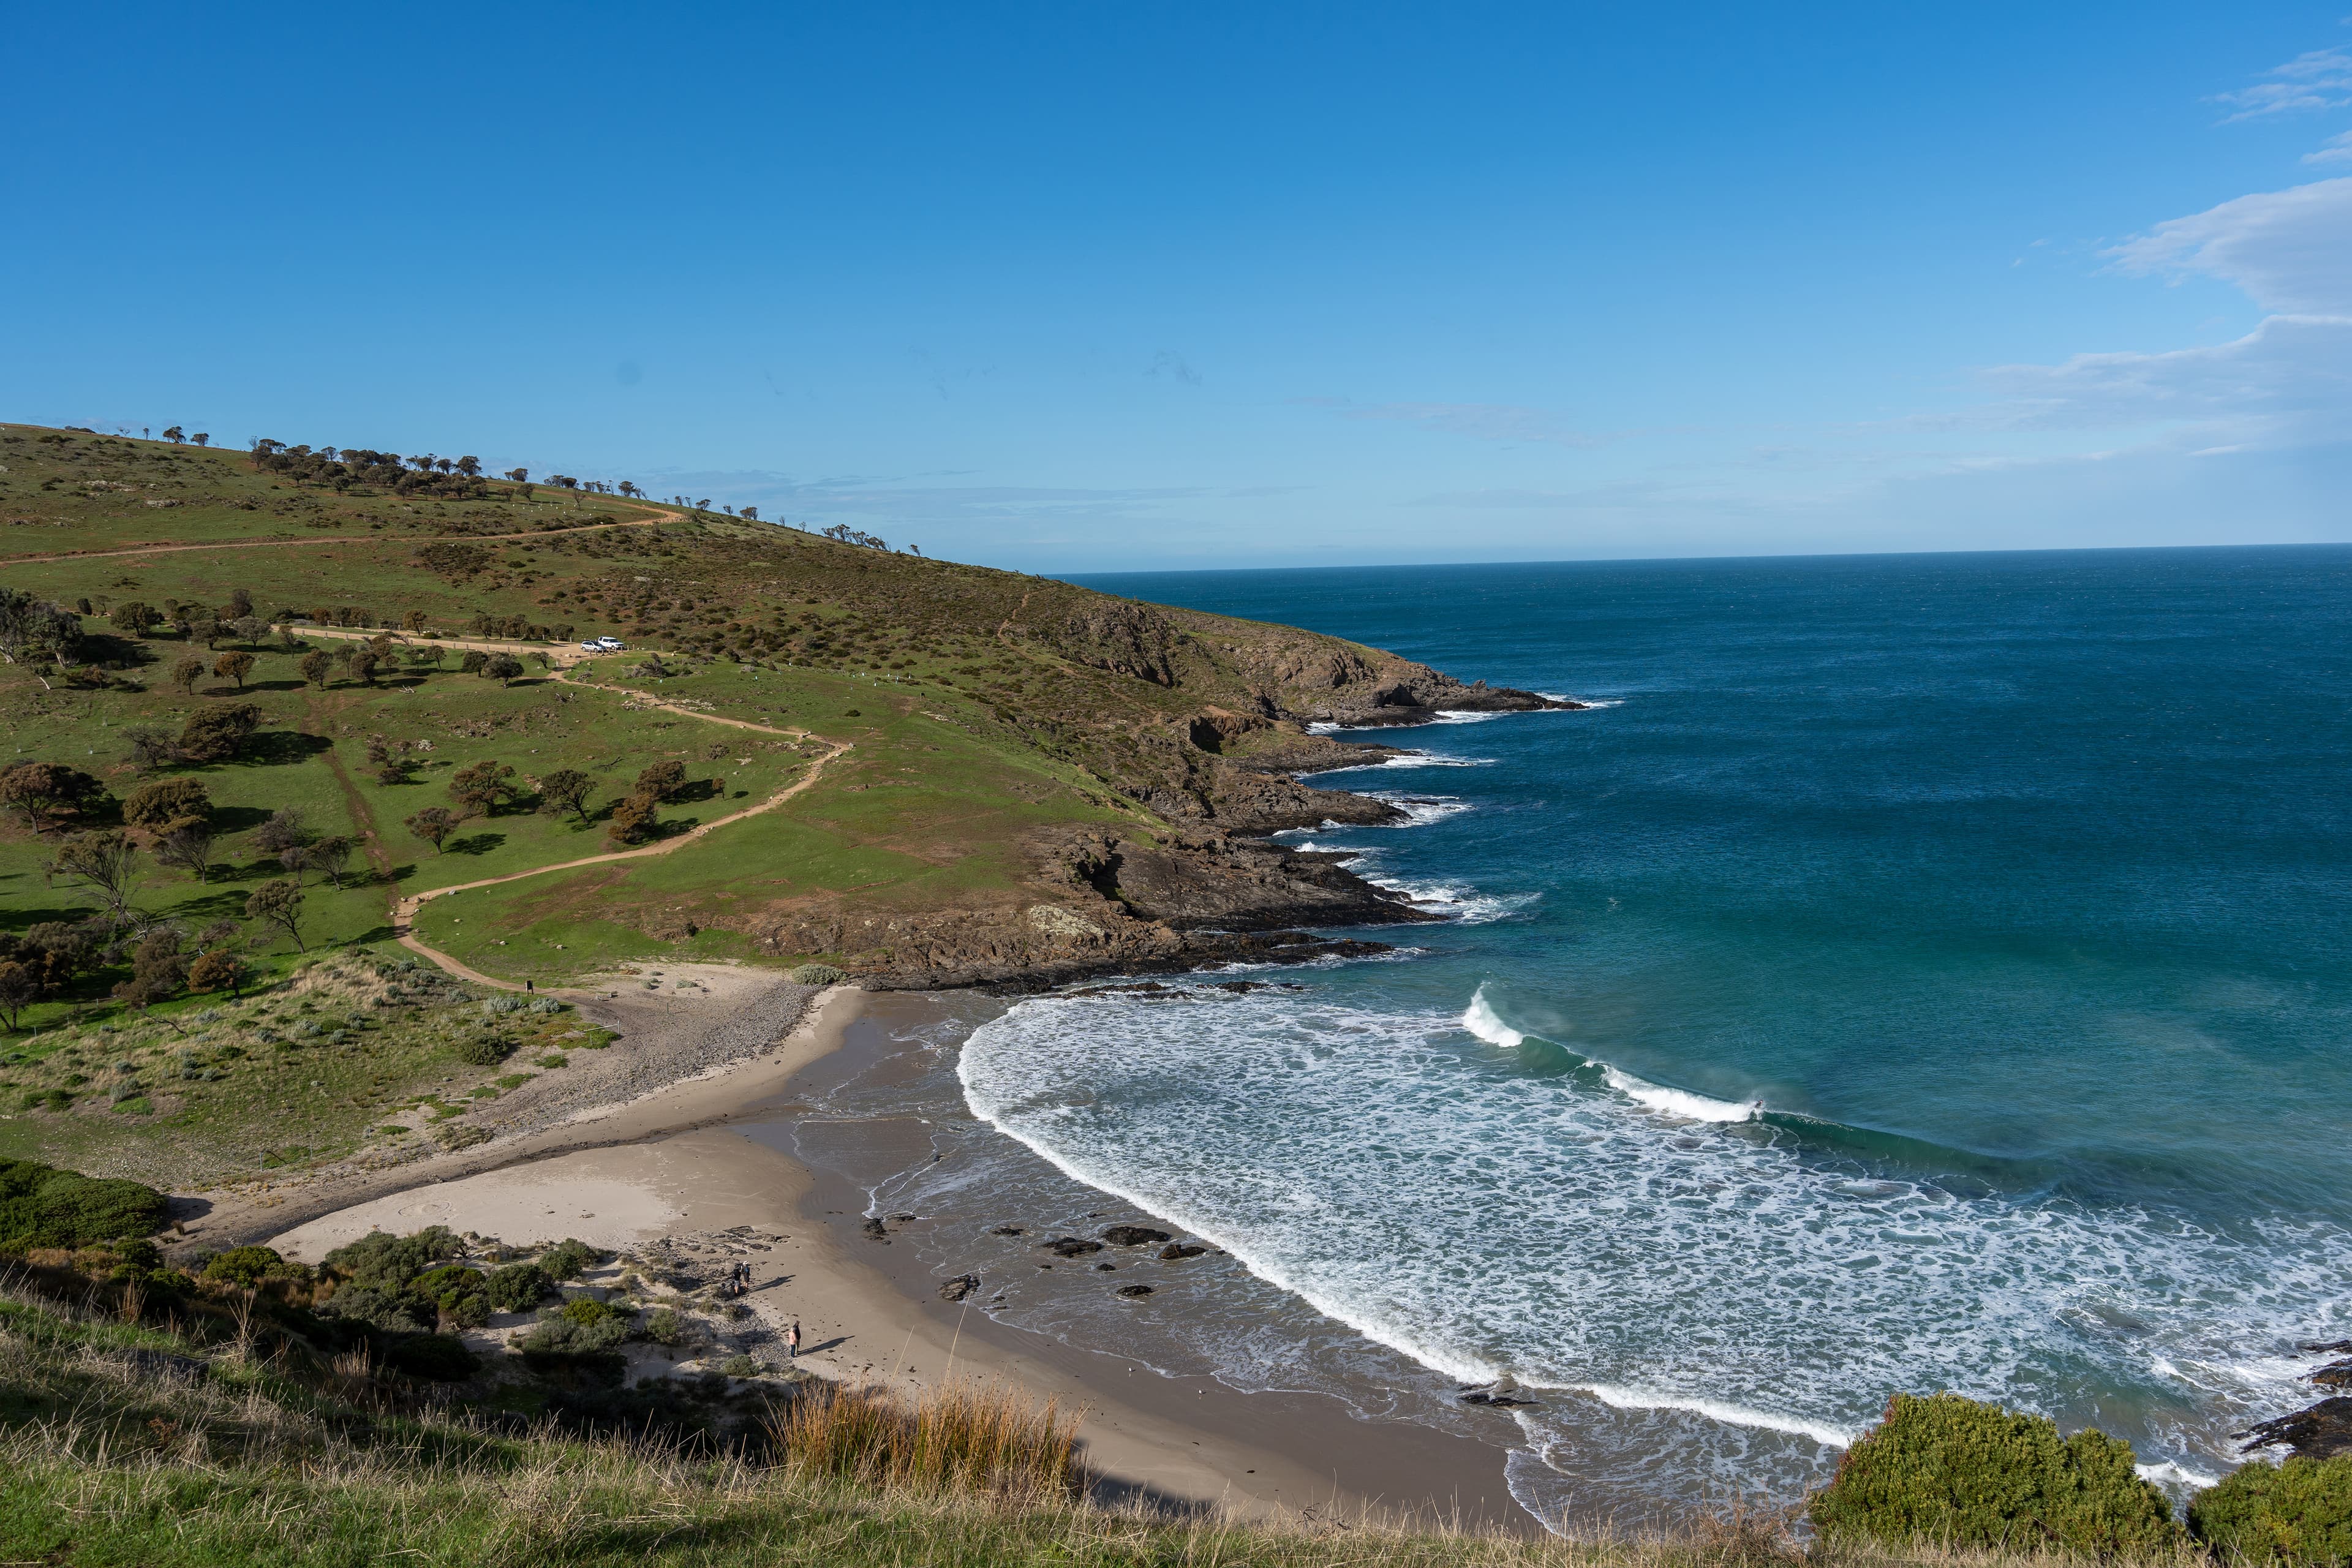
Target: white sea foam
1481 1020
1588 701
1677 1102
1420 810
2172 1473
1465 716
1482 1218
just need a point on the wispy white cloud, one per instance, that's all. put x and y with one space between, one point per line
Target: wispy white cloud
2290 250
2318 78
2289 381
1480 421
2338 149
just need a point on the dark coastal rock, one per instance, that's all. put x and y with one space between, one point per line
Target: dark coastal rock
1006 1230
1134 1235
1071 1246
1176 1252
957 1289
2322 1431
2333 1347
1135 1289
2336 1374
874 1228
1497 1401
1106 1267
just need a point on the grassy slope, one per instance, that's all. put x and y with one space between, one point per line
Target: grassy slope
262 1460
967 696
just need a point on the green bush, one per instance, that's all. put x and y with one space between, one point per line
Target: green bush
455 1292
816 974
249 1266
382 1261
43 1206
482 1050
664 1327
2298 1513
1950 1472
518 1287
569 1260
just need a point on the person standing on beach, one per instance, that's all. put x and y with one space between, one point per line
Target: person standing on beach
792 1341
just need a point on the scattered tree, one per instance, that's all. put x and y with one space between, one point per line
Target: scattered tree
332 857
751 514
469 466
105 864
634 820
283 831
239 605
201 438
662 780
433 825
363 666
502 668
316 666
216 734
187 673
189 847
157 970
413 621
136 616
567 789
218 971
473 661
167 803
172 433
36 788
235 665
20 987
151 748
480 786
280 903
517 475
206 629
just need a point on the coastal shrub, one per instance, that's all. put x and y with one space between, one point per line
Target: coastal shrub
1959 1475
816 974
482 1050
2299 1512
664 1327
569 1260
458 1295
377 1308
563 1331
518 1287
247 1267
382 1261
41 1205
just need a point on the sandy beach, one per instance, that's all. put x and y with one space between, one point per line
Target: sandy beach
696 1165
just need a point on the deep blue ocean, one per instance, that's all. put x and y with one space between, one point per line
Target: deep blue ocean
1920 971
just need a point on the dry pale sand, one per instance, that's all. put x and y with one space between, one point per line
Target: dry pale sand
664 1169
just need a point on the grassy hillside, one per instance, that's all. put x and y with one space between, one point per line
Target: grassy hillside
926 772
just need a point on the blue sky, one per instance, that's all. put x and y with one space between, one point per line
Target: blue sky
1070 288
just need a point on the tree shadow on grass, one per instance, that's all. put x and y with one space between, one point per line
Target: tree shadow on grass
238 819
276 747
474 844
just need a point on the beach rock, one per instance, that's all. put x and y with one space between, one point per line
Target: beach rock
874 1227
957 1289
2322 1431
2335 1347
1071 1246
2336 1374
1497 1401
1106 1267
1134 1235
1177 1251
1134 1291
1006 1230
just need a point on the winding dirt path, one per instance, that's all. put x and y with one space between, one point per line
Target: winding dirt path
403 911
319 543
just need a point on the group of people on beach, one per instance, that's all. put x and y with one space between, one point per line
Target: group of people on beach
739 1282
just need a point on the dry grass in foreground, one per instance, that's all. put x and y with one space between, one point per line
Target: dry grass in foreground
126 1442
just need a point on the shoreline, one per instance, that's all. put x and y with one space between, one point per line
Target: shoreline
688 1158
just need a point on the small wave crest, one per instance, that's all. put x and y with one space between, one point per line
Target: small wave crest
1677 1102
1481 1019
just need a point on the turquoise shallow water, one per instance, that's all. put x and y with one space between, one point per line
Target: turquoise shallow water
1926 972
